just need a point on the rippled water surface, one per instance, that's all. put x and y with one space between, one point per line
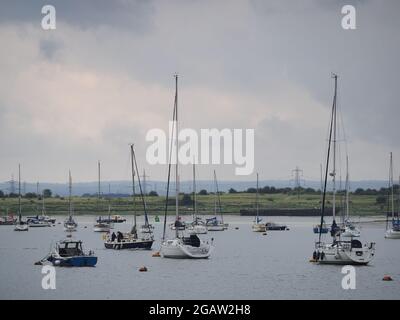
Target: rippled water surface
244 265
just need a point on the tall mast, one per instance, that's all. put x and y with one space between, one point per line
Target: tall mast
177 159
219 200
146 222
19 194
43 206
133 191
326 173
334 150
70 195
98 187
141 190
257 201
347 188
194 193
391 183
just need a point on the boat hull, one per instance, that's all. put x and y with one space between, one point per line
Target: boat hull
133 245
197 229
345 255
175 249
323 230
21 227
258 227
79 261
392 234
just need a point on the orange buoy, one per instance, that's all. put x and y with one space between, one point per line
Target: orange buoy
143 269
156 254
387 278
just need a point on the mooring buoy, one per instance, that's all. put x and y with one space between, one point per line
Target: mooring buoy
387 278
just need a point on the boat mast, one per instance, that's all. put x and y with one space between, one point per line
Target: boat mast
391 183
347 189
146 222
141 190
98 186
70 196
170 161
326 172
109 203
19 194
176 153
218 197
43 206
334 151
134 230
194 193
257 219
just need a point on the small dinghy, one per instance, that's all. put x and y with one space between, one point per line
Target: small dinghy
321 229
271 226
69 253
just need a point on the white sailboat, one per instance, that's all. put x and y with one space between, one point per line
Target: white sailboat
197 226
349 229
146 227
69 224
40 221
182 247
345 252
257 225
215 224
20 225
393 228
102 225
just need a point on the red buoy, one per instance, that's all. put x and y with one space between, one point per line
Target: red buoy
387 278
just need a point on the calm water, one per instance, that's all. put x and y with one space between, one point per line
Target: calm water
244 265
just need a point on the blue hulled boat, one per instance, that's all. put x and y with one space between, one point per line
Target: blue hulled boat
69 253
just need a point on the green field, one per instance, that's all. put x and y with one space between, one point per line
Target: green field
231 204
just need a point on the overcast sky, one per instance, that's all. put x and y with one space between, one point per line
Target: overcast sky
104 77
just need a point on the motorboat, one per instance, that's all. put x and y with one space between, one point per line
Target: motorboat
69 253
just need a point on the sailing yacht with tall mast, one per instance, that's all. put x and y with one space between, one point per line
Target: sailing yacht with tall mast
70 224
393 228
349 229
133 239
349 252
146 227
20 225
257 225
191 247
101 225
214 224
197 226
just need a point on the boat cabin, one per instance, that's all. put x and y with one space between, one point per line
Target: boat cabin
70 248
